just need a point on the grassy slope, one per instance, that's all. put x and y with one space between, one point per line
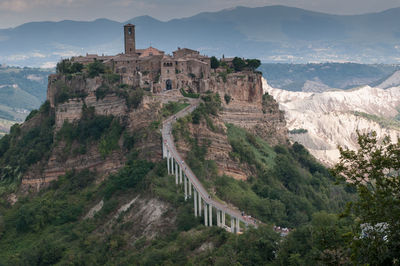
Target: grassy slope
48 228
288 185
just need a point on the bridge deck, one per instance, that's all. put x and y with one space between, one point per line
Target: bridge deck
168 140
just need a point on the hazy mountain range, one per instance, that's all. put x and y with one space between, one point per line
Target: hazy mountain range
328 76
272 33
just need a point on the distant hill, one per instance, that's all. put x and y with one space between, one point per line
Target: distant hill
272 33
21 90
327 76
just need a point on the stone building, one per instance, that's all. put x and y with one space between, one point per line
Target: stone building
152 68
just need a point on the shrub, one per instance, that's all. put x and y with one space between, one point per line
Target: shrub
112 78
227 98
102 91
298 131
223 75
135 98
238 64
172 108
214 62
253 64
189 94
96 68
67 67
128 177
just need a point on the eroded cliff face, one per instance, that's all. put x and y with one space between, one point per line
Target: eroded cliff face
136 121
218 148
247 108
244 105
333 118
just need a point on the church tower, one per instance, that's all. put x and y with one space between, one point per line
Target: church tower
129 35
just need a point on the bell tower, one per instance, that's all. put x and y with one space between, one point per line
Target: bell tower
129 35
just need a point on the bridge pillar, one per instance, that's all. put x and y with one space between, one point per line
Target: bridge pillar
185 185
164 152
198 192
195 202
210 216
237 225
223 218
232 225
205 214
180 173
176 172
169 170
171 162
190 188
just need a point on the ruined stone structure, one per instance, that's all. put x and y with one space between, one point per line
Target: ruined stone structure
152 69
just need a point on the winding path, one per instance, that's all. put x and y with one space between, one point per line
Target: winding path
177 166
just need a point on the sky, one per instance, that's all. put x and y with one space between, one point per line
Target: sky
17 12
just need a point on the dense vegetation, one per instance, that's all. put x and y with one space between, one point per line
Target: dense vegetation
106 130
25 146
287 188
172 108
287 185
382 121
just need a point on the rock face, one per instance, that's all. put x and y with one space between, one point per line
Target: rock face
332 118
248 109
218 148
137 121
242 101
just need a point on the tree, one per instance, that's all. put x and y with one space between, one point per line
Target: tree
214 62
253 64
96 68
238 64
67 67
374 170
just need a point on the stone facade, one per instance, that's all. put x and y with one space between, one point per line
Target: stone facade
152 68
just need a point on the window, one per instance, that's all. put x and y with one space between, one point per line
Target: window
130 31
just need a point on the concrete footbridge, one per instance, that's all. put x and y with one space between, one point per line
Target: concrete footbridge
203 203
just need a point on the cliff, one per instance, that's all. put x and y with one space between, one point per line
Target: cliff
82 94
242 102
244 106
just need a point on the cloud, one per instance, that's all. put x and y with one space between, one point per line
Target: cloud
14 5
49 65
26 5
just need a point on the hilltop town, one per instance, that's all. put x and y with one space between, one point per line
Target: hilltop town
153 68
156 71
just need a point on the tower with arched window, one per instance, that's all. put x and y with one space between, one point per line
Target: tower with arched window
129 35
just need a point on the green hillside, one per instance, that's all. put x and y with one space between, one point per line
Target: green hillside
50 227
21 90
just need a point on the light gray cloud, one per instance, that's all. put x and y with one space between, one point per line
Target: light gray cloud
15 12
26 5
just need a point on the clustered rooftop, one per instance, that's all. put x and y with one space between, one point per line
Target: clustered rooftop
151 67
